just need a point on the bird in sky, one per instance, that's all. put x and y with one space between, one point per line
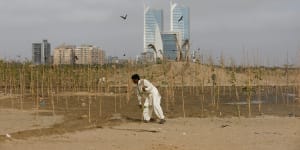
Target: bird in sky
124 17
180 19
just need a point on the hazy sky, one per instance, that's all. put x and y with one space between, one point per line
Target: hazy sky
264 30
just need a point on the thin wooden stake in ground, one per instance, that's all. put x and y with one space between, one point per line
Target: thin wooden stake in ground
182 94
249 93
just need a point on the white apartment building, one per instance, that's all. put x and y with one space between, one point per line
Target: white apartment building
84 54
64 54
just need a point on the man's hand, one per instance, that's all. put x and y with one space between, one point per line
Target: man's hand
140 106
144 88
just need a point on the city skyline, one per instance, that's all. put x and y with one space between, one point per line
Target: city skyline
167 43
238 29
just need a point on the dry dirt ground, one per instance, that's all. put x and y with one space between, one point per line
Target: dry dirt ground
17 120
232 133
70 128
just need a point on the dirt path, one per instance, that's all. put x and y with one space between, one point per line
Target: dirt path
12 120
262 133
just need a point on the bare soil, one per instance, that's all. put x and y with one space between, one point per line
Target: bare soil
260 133
83 120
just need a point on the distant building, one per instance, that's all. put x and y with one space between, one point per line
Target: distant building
36 53
153 26
84 54
115 60
108 60
173 45
88 54
64 54
146 57
41 53
170 45
180 21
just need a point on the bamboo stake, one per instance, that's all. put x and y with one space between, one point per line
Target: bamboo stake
21 88
115 93
276 94
89 91
52 96
182 95
214 83
100 97
42 84
6 79
259 99
90 102
37 95
129 83
249 93
203 97
119 92
218 98
238 100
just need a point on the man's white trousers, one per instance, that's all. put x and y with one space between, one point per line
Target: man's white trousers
152 102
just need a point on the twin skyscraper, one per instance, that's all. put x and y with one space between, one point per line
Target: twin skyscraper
167 44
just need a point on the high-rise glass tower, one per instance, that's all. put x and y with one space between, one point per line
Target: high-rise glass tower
153 26
36 53
180 21
41 52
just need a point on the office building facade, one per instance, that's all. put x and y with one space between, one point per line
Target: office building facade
84 55
153 26
64 54
170 45
180 21
88 54
41 53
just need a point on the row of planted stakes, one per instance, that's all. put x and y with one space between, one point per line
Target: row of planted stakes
178 82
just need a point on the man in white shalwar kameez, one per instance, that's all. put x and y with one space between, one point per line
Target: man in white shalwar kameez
149 92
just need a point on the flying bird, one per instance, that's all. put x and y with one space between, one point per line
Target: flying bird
124 17
180 19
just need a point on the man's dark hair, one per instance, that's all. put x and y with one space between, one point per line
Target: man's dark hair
135 77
